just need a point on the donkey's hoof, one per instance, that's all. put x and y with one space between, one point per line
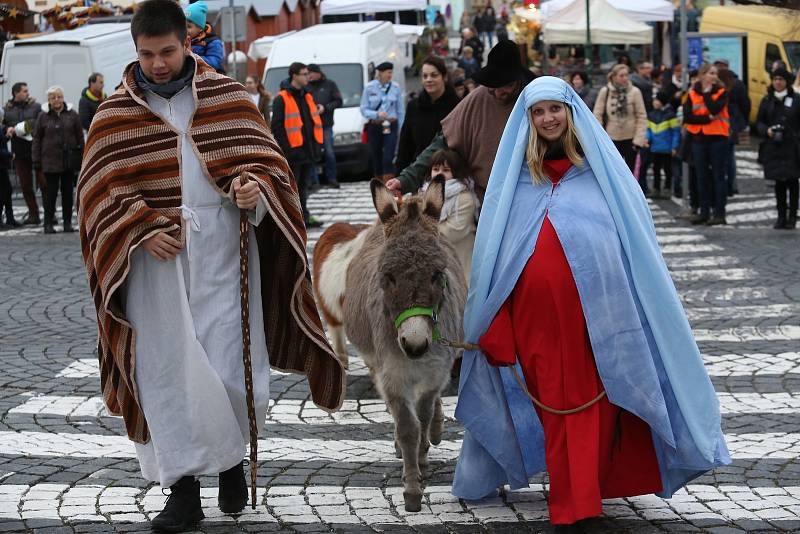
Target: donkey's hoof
436 438
413 501
398 453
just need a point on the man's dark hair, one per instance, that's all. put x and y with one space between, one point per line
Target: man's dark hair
17 87
93 77
295 68
157 18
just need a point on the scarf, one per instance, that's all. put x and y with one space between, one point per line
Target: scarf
453 188
171 88
780 95
621 94
130 188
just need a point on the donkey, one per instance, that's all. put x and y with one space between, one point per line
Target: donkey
403 290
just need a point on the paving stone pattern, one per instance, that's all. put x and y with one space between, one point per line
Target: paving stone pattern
66 467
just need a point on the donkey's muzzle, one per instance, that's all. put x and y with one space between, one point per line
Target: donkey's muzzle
414 349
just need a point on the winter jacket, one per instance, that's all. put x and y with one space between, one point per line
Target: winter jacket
459 229
422 123
780 160
310 151
21 112
470 66
264 105
663 130
632 125
646 87
476 45
326 93
739 107
209 47
588 95
87 107
54 134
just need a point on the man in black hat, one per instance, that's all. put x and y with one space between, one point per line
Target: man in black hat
328 97
474 127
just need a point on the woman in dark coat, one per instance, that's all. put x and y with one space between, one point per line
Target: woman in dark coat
425 113
779 123
57 149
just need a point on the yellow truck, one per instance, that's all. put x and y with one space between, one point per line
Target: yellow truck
772 34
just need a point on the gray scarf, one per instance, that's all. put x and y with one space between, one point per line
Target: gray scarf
621 93
169 89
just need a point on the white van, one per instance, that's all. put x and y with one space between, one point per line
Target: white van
67 58
348 53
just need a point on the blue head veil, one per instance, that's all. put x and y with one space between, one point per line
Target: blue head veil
490 402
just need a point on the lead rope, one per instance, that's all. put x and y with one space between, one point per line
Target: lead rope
537 402
244 285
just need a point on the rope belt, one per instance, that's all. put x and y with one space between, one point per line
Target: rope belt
537 402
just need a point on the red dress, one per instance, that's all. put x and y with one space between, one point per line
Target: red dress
602 452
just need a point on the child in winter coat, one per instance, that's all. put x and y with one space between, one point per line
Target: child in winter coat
664 138
458 220
204 42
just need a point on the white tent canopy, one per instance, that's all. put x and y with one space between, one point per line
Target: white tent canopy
608 25
638 10
355 7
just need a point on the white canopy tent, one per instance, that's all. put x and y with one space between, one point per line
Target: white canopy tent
608 25
356 7
638 10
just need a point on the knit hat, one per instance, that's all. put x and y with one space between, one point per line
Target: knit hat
196 13
780 72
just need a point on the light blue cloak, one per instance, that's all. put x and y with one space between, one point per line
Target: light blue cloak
646 355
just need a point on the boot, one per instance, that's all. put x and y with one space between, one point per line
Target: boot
698 218
780 224
182 510
31 219
68 229
232 496
791 220
49 228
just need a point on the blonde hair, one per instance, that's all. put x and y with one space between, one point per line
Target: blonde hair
55 89
616 69
704 68
537 148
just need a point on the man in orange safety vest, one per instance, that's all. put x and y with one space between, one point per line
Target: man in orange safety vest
297 128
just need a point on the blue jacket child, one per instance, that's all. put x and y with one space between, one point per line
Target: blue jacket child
663 128
204 43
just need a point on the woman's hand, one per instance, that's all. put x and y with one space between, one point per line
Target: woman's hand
770 133
162 246
246 195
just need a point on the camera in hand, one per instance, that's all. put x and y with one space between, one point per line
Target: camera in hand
777 133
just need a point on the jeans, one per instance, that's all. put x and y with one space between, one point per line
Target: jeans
302 174
5 196
782 187
25 174
628 153
730 167
711 186
55 180
662 161
488 39
329 155
382 147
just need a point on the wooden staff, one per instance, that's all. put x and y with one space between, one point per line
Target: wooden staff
244 244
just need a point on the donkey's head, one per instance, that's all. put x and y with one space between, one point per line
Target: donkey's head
412 264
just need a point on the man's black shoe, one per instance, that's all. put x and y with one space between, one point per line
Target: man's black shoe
714 221
182 510
698 219
232 490
49 229
332 184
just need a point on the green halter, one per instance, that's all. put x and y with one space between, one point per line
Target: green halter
420 312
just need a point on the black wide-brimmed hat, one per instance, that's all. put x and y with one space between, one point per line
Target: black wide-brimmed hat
503 66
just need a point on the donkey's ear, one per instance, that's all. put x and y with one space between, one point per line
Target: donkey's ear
433 200
384 202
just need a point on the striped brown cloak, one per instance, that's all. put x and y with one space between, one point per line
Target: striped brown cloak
130 189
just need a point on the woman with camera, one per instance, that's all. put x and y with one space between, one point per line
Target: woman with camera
779 123
57 151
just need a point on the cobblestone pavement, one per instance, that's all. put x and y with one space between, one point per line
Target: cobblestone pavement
65 465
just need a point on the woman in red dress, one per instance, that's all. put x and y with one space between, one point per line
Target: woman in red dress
589 453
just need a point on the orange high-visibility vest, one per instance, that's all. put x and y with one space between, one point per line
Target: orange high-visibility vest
721 125
294 122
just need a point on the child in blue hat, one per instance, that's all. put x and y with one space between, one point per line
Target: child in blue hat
204 42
